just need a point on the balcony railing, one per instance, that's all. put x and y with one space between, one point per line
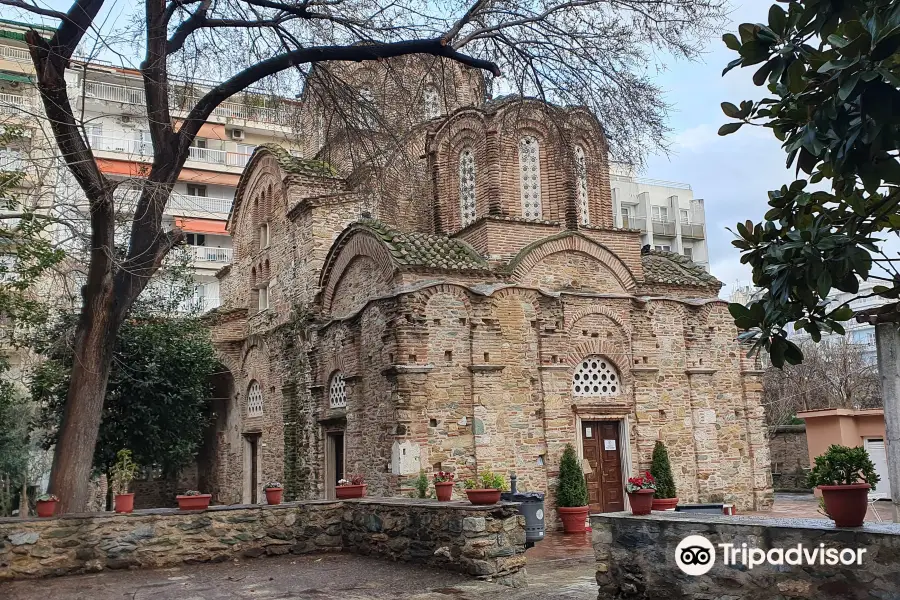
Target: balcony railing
200 204
228 110
15 54
13 103
11 160
664 228
206 254
218 157
122 145
634 223
201 303
694 231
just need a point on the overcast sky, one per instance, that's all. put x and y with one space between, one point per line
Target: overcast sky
732 174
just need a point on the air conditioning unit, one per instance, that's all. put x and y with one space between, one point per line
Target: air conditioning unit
237 134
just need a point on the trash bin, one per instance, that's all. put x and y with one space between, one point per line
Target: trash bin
531 505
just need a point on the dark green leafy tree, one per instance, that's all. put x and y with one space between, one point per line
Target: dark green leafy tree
157 402
832 70
572 489
841 465
661 470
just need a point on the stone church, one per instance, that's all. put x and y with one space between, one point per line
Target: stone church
438 285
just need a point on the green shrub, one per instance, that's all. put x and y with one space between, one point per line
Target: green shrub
841 465
572 489
486 480
422 485
661 470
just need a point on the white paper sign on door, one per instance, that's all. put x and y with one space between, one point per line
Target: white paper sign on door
609 444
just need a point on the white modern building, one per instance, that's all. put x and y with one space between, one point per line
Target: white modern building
666 212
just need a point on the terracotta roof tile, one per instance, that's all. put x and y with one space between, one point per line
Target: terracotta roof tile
425 249
674 269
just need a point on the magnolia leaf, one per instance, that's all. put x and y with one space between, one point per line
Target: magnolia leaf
731 41
730 110
729 128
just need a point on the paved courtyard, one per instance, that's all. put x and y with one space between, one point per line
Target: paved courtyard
806 506
561 568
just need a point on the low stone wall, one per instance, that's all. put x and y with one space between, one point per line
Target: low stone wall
636 558
487 542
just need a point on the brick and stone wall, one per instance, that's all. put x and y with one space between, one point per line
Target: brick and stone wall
486 542
636 559
790 458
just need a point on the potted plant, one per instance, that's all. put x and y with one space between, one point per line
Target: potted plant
46 505
640 493
122 474
193 500
844 476
665 497
485 489
443 485
571 493
422 485
355 487
274 491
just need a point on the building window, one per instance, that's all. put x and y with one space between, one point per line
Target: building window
195 239
199 143
196 190
596 376
467 186
663 248
264 297
581 184
337 391
626 211
264 236
689 253
254 400
432 101
660 214
530 174
685 216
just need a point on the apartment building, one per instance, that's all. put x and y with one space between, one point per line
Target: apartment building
111 100
666 212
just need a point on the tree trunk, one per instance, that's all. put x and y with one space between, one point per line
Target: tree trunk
23 500
73 457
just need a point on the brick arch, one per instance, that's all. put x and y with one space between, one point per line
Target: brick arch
571 322
458 292
597 347
335 356
350 245
529 295
533 254
262 172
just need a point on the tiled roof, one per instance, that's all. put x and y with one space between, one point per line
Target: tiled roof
425 249
299 166
674 269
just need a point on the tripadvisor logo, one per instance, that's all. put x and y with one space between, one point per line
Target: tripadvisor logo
695 555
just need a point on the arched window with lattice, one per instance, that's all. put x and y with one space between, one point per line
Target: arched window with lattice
432 101
467 186
337 391
530 177
596 376
254 399
581 186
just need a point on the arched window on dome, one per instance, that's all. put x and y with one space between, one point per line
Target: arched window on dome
337 391
596 376
467 187
254 399
431 100
581 186
530 177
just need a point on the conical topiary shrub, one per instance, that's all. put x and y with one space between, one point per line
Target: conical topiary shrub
661 470
571 493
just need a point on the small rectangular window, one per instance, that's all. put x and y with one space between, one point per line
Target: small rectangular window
264 235
660 213
685 216
196 190
196 239
689 253
199 143
663 248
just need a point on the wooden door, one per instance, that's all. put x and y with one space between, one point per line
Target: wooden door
600 443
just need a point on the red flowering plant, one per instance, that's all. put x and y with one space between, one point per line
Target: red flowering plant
641 482
443 477
354 480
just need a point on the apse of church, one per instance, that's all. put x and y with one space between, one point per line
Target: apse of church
460 300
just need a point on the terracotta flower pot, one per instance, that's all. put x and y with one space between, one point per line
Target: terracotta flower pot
846 504
641 501
343 492
46 508
664 503
273 495
200 502
444 490
124 503
483 496
573 518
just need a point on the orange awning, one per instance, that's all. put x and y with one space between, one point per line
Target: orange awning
201 226
129 168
